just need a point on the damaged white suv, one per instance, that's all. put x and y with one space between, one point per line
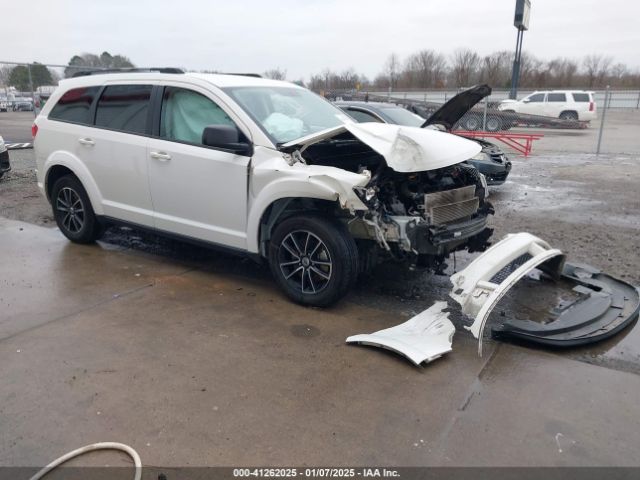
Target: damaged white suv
263 167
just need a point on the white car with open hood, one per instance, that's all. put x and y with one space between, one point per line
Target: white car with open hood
262 167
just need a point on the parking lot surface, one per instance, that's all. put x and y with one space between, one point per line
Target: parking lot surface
195 358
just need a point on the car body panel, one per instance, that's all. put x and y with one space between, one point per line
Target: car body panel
455 108
481 285
423 338
405 149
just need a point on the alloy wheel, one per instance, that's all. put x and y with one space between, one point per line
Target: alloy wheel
305 261
71 210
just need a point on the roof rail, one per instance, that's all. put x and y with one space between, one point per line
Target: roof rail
255 75
86 73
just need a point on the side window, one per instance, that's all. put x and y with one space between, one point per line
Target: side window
124 108
75 106
556 97
538 97
361 116
581 97
186 113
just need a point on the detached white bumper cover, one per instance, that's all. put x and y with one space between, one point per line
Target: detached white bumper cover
479 287
422 338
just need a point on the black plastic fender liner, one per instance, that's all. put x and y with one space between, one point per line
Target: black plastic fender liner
605 306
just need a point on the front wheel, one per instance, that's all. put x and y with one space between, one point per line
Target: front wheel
313 259
73 211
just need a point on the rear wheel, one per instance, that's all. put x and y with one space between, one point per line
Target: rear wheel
493 124
313 259
472 122
569 116
73 211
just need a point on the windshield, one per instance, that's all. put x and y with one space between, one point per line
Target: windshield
400 116
287 113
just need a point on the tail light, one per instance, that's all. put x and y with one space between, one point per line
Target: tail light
34 130
591 106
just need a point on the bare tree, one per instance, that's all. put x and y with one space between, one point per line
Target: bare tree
464 67
424 69
495 69
276 74
392 69
596 68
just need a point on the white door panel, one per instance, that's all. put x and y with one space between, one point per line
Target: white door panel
199 192
119 163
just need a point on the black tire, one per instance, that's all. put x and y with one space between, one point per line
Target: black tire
472 123
493 124
313 259
569 116
73 211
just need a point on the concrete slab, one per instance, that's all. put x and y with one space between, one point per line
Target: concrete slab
532 408
206 367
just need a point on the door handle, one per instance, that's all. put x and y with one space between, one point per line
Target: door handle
86 141
160 156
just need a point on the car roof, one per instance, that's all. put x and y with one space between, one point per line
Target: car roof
219 80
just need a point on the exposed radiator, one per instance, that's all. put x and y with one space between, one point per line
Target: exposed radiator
451 205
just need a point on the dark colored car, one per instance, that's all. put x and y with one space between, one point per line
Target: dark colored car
4 158
491 161
23 107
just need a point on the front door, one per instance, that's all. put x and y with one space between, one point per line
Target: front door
197 191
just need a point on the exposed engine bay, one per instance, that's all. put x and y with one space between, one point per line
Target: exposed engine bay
418 216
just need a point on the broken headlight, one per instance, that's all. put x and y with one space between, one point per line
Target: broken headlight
367 195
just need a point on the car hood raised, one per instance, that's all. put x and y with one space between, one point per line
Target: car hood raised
453 110
405 149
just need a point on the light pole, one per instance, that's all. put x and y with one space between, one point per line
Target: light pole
521 22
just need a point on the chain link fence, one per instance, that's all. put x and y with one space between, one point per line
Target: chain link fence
614 130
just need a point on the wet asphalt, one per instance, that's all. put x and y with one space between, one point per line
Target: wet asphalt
195 358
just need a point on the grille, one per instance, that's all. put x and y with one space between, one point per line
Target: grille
453 211
510 268
451 205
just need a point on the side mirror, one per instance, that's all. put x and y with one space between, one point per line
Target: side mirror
226 137
525 100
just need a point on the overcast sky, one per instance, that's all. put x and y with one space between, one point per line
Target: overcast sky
306 36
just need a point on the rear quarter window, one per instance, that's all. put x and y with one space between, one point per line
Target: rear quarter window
75 106
581 97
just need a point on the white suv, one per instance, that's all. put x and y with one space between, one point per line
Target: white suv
564 104
263 167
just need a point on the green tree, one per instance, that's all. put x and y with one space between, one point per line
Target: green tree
104 60
40 75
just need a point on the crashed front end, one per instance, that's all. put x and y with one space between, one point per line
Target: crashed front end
422 203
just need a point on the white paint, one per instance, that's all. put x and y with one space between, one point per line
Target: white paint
405 149
422 338
473 289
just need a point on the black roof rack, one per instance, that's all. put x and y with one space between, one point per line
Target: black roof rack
86 73
255 75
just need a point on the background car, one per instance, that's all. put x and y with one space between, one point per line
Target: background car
4 158
23 107
4 105
564 104
491 161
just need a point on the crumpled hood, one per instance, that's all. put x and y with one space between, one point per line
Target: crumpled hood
405 149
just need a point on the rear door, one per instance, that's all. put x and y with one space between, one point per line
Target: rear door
197 191
118 145
557 103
